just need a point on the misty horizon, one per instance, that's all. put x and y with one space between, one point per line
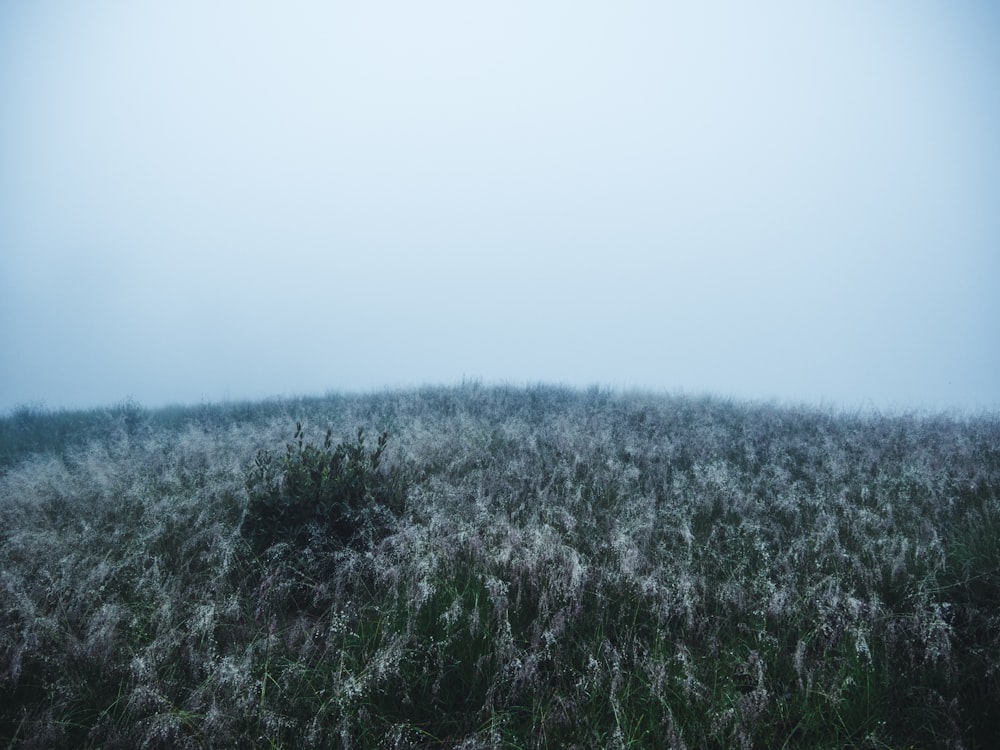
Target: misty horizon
205 202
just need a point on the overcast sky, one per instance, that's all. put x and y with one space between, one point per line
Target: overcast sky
796 201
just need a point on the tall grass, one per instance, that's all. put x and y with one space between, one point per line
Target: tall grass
566 569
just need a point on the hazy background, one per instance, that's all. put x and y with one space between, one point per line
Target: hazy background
776 200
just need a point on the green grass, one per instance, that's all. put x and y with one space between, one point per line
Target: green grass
560 569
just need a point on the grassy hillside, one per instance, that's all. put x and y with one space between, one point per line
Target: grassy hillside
539 567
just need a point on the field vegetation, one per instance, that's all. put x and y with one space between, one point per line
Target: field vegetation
493 567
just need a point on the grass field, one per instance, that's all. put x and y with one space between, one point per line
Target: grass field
552 568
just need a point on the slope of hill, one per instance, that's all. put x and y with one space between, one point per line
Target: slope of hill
565 569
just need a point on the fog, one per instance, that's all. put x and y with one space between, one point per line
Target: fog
788 201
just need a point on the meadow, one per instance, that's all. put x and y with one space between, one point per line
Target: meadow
499 567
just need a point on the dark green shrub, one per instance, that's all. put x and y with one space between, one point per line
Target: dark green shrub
322 495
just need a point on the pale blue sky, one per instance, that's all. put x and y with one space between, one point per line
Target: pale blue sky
775 200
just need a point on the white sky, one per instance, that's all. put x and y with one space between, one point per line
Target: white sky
776 200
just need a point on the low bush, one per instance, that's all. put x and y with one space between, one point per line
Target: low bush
322 495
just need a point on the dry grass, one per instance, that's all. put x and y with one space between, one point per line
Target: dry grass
571 569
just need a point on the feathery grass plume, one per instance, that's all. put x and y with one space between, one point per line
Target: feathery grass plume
536 567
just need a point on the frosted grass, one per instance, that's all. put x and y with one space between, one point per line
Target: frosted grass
571 569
